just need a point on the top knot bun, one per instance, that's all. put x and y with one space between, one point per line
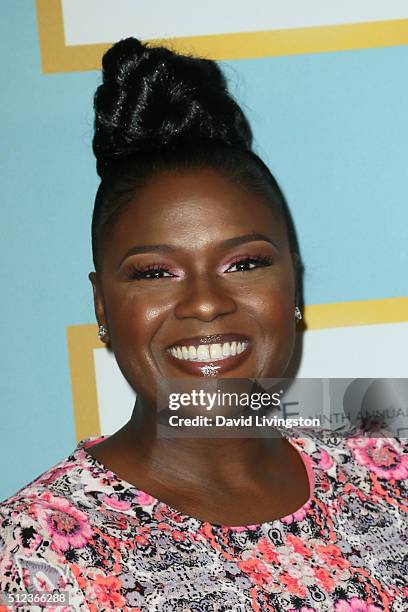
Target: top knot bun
151 97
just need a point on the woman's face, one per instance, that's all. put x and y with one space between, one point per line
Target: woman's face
196 279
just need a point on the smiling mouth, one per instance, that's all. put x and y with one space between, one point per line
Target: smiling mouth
210 355
207 353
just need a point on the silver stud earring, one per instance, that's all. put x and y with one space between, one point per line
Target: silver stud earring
298 314
102 332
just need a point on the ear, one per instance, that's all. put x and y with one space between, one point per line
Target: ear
298 269
99 304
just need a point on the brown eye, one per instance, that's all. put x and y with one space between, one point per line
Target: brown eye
148 273
249 263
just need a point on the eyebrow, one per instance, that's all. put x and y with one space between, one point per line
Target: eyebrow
228 243
231 242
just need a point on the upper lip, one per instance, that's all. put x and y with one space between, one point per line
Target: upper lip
210 339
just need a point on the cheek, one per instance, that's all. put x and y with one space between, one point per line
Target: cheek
134 319
134 312
134 322
273 312
275 316
273 304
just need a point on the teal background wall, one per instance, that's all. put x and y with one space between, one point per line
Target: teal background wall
333 128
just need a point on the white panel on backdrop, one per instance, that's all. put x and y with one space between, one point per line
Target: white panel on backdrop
369 351
116 398
366 351
104 21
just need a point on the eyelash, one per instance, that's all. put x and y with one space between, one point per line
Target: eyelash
141 273
262 262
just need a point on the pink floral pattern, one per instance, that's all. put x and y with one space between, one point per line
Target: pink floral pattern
382 456
79 528
67 526
355 605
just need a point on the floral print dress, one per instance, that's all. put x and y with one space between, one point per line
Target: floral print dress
81 530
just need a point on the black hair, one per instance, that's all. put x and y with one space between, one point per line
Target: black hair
159 110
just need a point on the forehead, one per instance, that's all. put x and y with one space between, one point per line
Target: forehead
201 205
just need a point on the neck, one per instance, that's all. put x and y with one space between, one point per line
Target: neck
198 461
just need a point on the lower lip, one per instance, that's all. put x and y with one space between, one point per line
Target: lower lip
210 368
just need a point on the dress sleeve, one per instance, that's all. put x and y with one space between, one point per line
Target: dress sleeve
32 577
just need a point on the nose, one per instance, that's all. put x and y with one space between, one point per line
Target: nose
203 298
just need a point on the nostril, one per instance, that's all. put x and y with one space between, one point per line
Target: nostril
204 304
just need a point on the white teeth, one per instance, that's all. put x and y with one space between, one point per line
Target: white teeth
208 352
226 351
192 352
203 352
215 351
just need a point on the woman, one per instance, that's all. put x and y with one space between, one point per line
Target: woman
197 275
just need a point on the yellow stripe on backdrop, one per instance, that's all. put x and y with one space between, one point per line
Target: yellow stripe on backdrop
58 57
365 312
83 339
